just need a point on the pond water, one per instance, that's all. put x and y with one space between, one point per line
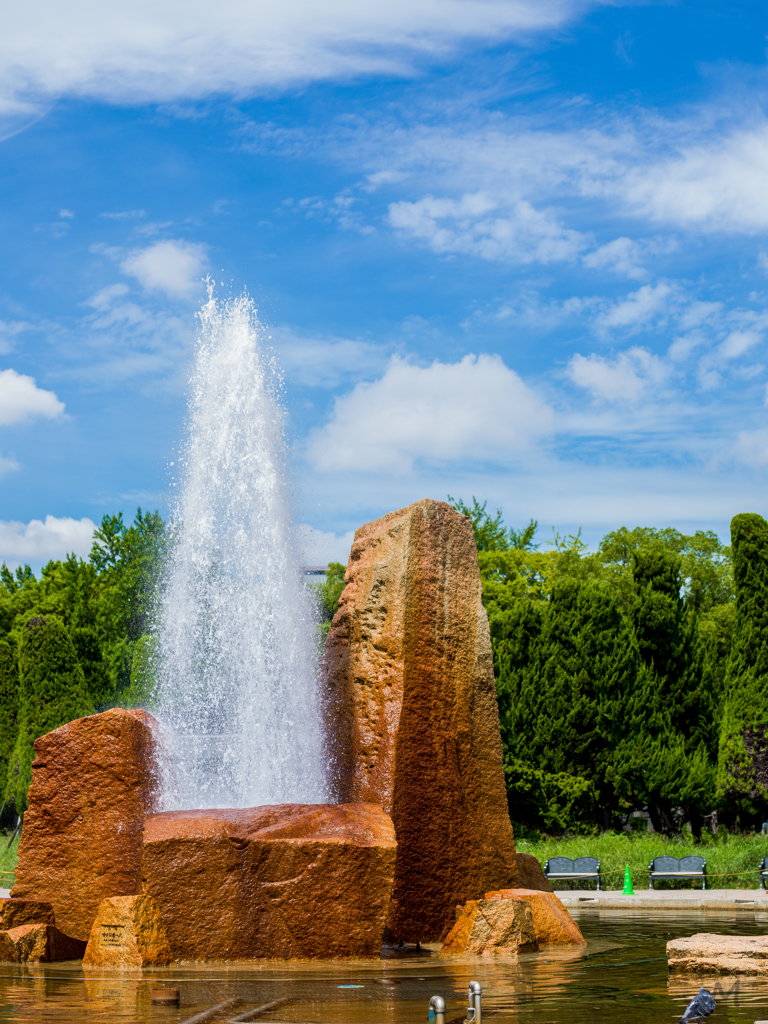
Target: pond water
621 976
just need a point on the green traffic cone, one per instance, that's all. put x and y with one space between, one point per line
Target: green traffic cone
628 890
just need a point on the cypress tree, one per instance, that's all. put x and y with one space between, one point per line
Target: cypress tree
516 637
743 756
9 707
51 692
98 684
669 746
558 666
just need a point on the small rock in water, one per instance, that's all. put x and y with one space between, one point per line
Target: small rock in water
128 931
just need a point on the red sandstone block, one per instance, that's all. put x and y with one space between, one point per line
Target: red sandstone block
92 784
283 881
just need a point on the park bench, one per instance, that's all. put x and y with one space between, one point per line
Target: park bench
677 867
763 869
565 868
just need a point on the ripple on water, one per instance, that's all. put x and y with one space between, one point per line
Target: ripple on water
620 977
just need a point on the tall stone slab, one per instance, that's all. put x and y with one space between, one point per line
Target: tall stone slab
411 712
93 783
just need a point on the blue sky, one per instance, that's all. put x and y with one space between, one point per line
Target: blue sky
506 248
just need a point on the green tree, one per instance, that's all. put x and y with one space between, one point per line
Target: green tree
328 593
127 560
673 713
556 664
490 532
9 708
706 570
743 756
51 692
70 590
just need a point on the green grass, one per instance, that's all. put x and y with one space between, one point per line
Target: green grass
732 858
8 858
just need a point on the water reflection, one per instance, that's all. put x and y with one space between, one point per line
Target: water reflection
620 976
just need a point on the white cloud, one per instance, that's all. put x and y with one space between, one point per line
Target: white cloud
324 362
9 331
21 399
487 185
716 180
104 298
166 50
621 256
739 342
516 233
39 541
638 308
320 548
8 465
477 409
173 267
628 378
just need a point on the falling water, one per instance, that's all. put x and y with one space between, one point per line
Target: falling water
236 650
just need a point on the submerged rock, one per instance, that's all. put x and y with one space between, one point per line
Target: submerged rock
493 928
282 881
553 924
705 953
92 785
412 718
498 924
128 931
38 943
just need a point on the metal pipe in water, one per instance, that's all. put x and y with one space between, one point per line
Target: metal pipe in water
437 1010
475 1003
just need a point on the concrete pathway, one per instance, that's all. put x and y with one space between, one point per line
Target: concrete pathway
668 899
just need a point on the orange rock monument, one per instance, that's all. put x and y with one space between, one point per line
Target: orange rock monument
289 880
412 720
92 785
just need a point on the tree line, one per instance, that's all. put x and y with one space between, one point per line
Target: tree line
632 678
71 640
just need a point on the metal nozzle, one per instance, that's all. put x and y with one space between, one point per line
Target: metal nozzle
437 1010
475 1003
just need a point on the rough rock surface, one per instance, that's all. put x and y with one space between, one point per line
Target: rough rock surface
553 924
282 881
719 954
128 931
530 873
493 928
14 913
38 943
412 719
92 785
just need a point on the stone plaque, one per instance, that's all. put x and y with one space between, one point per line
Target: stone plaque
128 931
